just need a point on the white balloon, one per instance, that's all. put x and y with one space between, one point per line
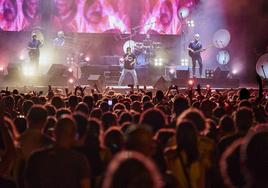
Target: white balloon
221 38
129 43
262 66
183 12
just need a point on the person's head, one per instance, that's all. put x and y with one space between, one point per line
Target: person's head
136 106
83 108
60 34
31 8
72 101
227 124
180 105
26 105
62 111
125 117
159 95
8 102
104 106
82 124
21 124
166 13
49 128
146 98
65 131
164 135
109 119
37 117
96 113
89 101
186 137
254 154
128 50
57 102
243 118
147 105
93 11
51 110
64 7
197 37
132 169
141 140
195 116
153 118
113 139
10 10
218 112
207 107
244 94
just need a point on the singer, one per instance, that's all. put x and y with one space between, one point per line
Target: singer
129 67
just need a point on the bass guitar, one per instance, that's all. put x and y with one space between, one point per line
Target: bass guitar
192 53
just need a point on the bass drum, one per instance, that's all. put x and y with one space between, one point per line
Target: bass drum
262 66
141 61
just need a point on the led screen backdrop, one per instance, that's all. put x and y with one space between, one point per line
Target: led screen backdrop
93 16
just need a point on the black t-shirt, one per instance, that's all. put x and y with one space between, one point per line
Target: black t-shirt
128 59
56 167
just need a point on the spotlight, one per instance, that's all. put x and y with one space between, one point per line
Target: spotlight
1 69
191 23
71 81
87 59
70 69
22 57
184 62
172 71
234 71
28 70
191 83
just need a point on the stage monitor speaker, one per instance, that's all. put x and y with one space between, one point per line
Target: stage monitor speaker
13 71
162 83
220 74
96 79
182 72
56 74
56 70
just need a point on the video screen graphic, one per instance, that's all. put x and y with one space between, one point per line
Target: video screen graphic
94 16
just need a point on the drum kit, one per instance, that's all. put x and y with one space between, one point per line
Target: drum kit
146 51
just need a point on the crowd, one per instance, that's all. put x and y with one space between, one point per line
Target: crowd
189 138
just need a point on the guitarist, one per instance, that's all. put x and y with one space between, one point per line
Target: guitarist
195 49
129 67
34 52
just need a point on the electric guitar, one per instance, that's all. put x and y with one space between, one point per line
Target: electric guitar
33 52
192 52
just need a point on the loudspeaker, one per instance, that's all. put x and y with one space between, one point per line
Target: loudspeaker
13 71
95 79
57 74
220 74
162 83
182 72
56 70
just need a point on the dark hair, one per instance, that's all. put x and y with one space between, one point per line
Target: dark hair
37 114
243 119
154 118
186 137
132 169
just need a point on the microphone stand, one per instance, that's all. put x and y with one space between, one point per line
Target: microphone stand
263 72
